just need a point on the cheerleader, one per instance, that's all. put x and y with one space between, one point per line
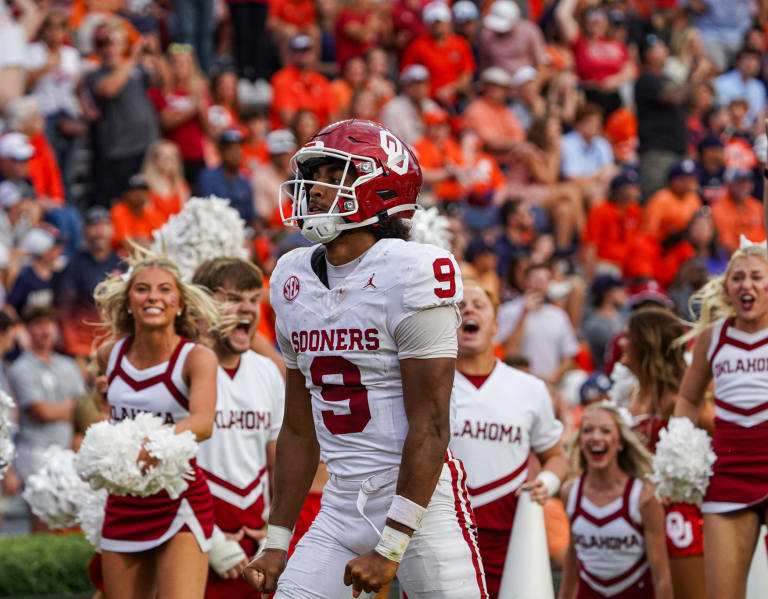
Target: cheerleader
502 415
732 348
653 355
617 547
157 546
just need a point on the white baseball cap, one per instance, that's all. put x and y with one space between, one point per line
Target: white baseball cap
496 76
10 194
37 241
503 15
415 73
465 10
16 146
523 75
281 141
436 11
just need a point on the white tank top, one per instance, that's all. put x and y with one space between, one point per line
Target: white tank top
158 389
609 541
739 364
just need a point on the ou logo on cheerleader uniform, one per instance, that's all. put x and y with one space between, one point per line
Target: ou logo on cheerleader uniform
291 288
679 531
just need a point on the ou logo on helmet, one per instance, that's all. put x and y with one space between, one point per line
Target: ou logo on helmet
397 155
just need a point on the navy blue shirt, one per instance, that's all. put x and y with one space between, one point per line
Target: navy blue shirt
237 189
75 285
30 290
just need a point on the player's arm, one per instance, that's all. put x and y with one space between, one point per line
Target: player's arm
554 467
296 457
654 533
696 379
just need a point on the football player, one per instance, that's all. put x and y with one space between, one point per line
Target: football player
367 324
503 415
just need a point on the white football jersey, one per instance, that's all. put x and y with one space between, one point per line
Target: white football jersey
249 413
739 363
344 344
497 427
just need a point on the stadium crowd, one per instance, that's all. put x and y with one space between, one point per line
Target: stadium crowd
592 157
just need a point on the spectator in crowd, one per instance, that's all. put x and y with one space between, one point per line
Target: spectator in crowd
6 344
353 78
182 107
669 210
54 73
46 385
407 25
736 212
194 19
163 170
483 261
613 225
35 285
527 102
256 124
722 26
492 119
134 217
226 181
509 42
379 75
603 64
687 56
360 25
587 157
741 83
19 24
447 56
440 158
609 298
514 240
289 18
224 111
268 178
20 212
466 23
533 327
297 86
127 124
304 126
74 286
711 168
661 117
250 46
404 114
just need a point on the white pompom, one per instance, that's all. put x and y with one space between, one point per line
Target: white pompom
624 381
109 453
206 228
683 462
54 491
429 226
7 449
90 514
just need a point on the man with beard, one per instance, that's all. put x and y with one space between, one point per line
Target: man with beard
238 459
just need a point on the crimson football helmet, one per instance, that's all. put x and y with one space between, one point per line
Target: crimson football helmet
386 179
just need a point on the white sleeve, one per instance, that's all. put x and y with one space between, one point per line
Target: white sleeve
289 354
547 430
507 318
569 345
428 333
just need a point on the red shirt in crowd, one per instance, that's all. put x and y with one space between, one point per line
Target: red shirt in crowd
188 135
446 61
347 47
598 59
611 229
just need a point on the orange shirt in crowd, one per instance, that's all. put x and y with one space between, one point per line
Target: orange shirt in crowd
491 120
300 13
294 90
44 170
432 156
667 213
166 205
446 61
733 220
611 229
128 226
254 156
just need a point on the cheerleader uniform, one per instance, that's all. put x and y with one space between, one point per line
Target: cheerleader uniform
249 414
609 544
683 522
133 524
739 363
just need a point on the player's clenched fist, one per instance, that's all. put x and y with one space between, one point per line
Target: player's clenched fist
263 572
369 573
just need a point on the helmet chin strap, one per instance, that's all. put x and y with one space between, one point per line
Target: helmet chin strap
322 229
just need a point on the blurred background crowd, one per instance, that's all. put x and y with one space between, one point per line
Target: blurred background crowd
591 156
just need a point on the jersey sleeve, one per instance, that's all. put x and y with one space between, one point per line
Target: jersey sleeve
547 430
277 395
433 279
289 354
428 334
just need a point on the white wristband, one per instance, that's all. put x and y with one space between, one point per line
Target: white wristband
392 544
278 537
551 481
406 512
